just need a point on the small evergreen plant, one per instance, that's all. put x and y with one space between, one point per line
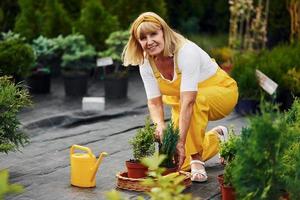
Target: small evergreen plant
143 143
168 145
12 99
7 188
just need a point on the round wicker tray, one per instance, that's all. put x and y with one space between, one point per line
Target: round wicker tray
123 182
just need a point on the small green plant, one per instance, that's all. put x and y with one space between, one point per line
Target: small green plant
78 55
115 43
12 99
162 187
45 49
143 143
7 188
168 145
228 150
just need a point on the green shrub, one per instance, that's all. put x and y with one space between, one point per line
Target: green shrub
55 20
16 58
45 50
9 10
257 167
128 10
243 72
12 99
168 145
96 23
78 55
29 20
143 143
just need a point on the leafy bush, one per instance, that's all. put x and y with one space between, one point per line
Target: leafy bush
12 99
77 55
260 152
243 72
55 20
96 23
45 50
168 145
16 57
143 143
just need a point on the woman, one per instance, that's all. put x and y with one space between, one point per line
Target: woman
177 72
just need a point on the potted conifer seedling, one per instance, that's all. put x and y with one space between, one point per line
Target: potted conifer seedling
143 145
168 147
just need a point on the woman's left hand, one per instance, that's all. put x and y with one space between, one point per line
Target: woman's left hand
180 154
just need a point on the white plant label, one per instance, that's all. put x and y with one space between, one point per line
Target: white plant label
266 83
101 62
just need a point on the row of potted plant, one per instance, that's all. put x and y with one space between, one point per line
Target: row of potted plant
71 54
263 162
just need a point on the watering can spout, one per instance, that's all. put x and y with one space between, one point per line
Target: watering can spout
95 168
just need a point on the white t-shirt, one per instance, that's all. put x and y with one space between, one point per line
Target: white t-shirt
194 64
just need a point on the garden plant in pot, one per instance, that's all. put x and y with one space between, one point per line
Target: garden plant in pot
167 147
116 75
40 80
143 145
265 150
228 151
77 60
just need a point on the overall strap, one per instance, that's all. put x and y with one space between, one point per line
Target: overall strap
155 70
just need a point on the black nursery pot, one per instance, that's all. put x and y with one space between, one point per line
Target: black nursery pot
115 87
247 106
75 84
39 83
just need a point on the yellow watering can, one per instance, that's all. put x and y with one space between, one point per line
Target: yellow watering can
84 166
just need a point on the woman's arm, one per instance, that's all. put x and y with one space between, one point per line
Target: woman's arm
187 100
156 111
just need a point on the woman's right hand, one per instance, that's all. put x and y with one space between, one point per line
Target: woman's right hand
159 131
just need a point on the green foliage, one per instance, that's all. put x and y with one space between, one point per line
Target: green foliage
7 188
168 145
293 115
243 72
12 99
143 143
73 8
257 167
45 49
96 23
128 10
162 187
115 44
29 20
55 20
208 42
12 36
77 53
16 57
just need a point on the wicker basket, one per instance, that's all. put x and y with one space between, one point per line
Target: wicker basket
123 182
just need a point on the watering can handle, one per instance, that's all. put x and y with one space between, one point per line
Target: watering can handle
75 146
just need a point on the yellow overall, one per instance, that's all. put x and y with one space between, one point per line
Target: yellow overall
215 99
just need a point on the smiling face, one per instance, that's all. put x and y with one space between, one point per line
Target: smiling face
151 38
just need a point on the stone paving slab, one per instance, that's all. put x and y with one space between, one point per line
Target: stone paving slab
43 165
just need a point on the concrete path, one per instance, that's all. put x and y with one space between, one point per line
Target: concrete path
55 123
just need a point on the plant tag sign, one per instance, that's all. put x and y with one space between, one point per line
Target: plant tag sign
101 62
266 83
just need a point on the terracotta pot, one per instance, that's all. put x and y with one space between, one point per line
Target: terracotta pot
221 181
136 169
227 192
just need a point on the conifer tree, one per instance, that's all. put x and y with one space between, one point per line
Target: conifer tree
55 20
96 23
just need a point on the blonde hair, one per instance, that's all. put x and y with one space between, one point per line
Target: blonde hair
133 53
